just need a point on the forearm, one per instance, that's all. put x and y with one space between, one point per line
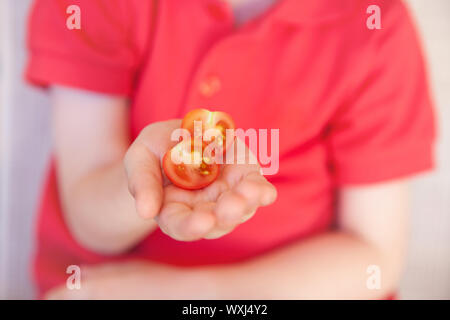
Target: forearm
91 137
101 212
329 266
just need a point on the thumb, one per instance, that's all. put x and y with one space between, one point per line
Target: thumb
143 166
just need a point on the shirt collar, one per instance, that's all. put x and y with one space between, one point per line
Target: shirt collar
313 11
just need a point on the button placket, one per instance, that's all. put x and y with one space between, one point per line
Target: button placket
207 81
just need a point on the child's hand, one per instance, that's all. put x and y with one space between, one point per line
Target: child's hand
190 215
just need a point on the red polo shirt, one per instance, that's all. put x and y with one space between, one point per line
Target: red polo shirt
352 104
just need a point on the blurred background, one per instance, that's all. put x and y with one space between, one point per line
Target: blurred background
25 145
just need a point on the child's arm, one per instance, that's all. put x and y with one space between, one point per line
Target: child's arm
97 170
372 231
91 136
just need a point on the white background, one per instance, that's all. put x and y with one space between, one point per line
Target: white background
24 145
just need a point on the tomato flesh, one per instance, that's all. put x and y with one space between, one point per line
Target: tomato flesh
191 175
210 120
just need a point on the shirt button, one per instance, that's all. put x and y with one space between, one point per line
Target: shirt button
210 86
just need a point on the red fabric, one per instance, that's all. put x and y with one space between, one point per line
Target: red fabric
352 104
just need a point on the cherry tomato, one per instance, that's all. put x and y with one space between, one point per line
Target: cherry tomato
189 170
210 120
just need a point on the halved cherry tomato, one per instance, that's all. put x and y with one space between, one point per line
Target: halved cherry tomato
190 171
210 120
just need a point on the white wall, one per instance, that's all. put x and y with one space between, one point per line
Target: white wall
24 143
24 149
427 273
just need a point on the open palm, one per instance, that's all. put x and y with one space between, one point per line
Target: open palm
190 215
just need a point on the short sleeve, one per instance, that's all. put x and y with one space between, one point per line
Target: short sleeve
386 131
101 56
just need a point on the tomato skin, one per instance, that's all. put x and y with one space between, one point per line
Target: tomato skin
194 115
190 177
210 120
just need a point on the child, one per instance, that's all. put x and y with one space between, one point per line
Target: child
355 119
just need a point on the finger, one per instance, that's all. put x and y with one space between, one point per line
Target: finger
256 189
157 136
143 168
175 194
247 216
218 233
230 209
181 222
144 179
